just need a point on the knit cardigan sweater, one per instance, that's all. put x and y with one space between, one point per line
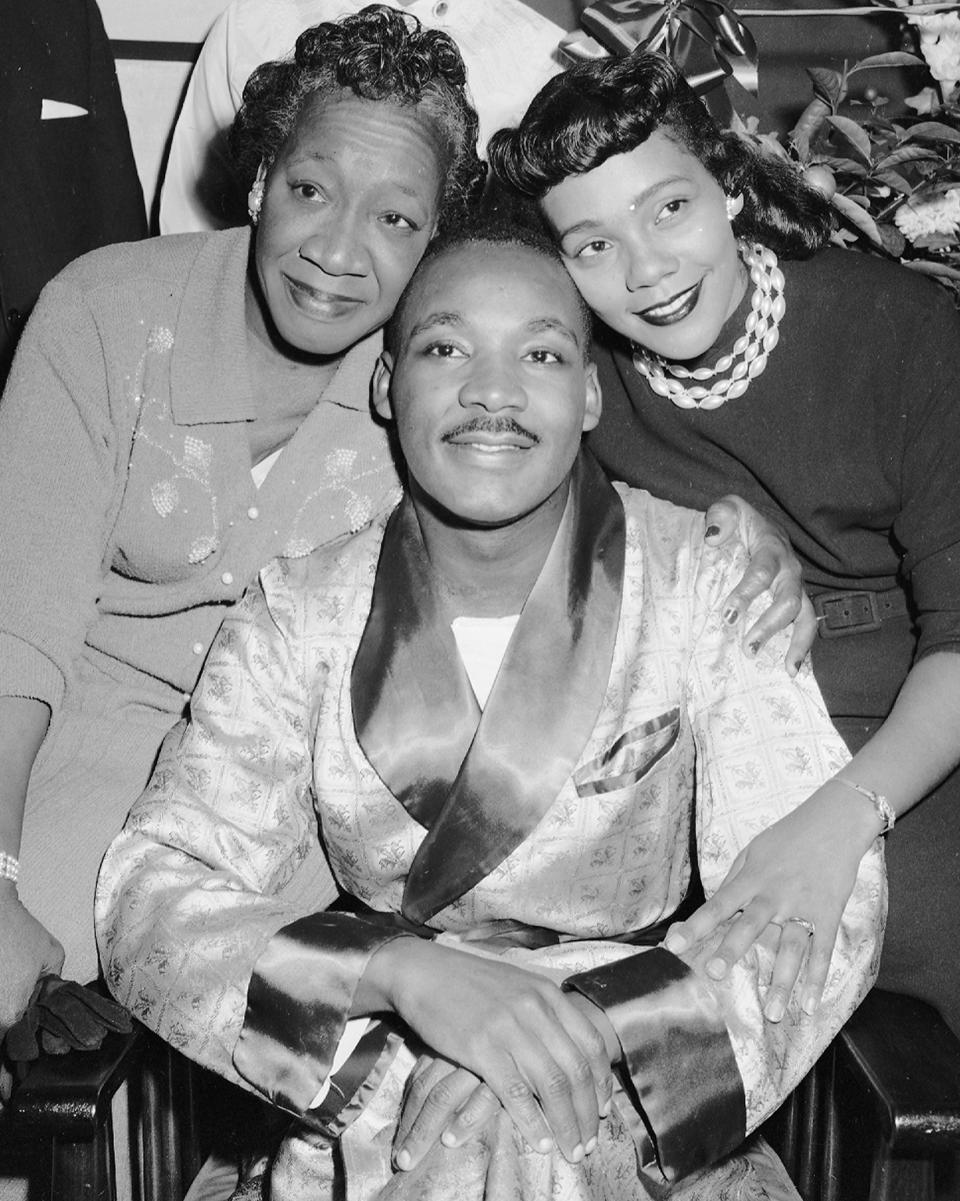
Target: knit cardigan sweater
130 519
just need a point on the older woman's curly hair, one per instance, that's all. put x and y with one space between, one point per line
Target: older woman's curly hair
379 54
604 107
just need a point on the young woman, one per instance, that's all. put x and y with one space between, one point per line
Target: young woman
823 386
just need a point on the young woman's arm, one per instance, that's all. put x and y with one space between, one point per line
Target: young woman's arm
805 865
773 568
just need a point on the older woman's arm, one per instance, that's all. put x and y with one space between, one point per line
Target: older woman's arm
57 451
27 950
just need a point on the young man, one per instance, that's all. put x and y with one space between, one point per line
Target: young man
515 720
509 48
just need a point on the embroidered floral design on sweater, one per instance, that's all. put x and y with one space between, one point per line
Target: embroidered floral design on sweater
193 463
357 494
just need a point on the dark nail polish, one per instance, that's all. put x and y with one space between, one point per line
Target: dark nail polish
712 531
754 648
730 616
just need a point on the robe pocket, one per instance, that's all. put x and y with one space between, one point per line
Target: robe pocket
634 754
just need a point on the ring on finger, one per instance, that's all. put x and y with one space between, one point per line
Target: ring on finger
807 925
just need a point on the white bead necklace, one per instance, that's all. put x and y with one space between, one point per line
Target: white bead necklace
750 351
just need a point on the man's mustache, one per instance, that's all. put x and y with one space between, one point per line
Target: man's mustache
490 425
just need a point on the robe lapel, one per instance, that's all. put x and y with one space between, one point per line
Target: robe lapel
481 783
414 711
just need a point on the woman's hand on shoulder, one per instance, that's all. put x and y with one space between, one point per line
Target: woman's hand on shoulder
773 567
803 867
542 1058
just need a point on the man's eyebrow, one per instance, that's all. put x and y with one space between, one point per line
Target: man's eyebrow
434 319
536 325
547 324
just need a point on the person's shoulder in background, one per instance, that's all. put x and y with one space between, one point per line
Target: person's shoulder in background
69 182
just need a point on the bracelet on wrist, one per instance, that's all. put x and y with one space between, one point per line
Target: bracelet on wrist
881 805
9 867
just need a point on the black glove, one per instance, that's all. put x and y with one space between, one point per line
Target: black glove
63 1015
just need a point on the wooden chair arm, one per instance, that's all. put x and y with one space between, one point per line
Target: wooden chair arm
900 1057
68 1096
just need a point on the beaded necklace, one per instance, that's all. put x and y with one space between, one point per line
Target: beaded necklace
750 351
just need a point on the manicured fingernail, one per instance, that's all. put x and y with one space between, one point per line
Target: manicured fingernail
717 968
675 943
809 1006
403 1161
591 1146
730 616
754 648
577 1153
774 1010
605 1107
712 531
448 1139
544 1146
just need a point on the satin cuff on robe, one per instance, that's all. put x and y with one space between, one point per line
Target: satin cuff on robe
298 1002
353 1085
677 1053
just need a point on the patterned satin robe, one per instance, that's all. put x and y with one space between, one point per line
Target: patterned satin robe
625 726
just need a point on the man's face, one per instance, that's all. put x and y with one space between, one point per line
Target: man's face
490 389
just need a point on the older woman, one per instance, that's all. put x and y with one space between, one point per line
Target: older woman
156 387
825 391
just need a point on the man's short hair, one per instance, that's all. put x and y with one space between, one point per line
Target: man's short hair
487 232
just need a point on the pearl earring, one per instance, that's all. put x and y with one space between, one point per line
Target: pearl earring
733 205
255 198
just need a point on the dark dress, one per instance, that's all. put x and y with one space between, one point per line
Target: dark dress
851 438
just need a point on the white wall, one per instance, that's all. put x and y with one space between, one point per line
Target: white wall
152 88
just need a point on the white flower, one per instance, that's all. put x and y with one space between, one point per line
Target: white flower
940 215
940 46
926 101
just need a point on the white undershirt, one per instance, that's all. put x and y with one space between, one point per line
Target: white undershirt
482 643
261 470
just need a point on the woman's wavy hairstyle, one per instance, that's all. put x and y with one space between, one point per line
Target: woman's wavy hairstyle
604 107
379 54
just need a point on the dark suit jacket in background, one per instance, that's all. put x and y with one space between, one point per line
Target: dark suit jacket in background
67 184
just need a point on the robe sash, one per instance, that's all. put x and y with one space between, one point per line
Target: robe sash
480 783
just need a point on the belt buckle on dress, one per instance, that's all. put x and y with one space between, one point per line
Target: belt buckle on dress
837 616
